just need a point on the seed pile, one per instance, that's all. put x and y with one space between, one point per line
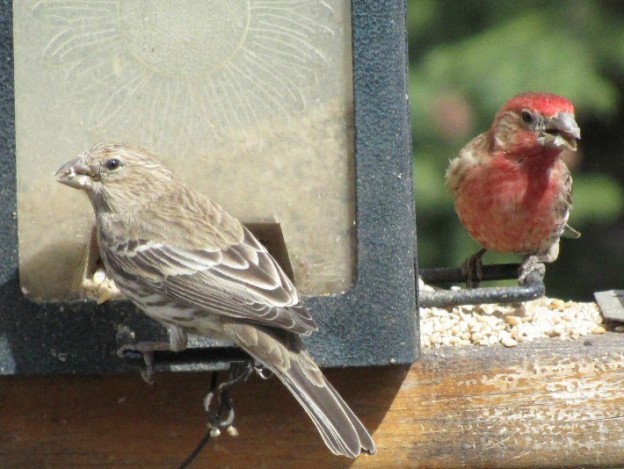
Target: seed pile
509 324
100 287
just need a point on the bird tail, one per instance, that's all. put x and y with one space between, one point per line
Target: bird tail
341 430
283 353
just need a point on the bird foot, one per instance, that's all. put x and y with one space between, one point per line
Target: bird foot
261 370
472 269
532 270
144 350
223 417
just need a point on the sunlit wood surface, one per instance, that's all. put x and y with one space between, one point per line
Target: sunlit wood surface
544 404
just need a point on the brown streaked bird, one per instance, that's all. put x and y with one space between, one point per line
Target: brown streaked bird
193 267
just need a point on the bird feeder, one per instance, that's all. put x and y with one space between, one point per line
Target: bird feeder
293 117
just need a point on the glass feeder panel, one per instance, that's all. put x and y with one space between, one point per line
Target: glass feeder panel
248 101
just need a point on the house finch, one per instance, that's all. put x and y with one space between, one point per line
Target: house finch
512 191
193 267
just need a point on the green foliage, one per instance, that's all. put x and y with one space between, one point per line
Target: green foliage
597 198
524 53
467 58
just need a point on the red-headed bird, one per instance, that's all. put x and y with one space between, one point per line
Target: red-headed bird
190 265
512 191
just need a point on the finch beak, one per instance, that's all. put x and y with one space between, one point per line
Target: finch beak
75 174
561 130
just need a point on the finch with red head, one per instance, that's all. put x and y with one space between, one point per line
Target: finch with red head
190 265
512 191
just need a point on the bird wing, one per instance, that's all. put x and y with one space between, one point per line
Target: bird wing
568 231
565 204
241 280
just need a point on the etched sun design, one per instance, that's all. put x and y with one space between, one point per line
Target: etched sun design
181 71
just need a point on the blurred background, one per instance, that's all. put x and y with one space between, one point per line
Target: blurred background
466 59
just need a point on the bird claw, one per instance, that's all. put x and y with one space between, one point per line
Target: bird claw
262 370
532 270
472 269
147 373
144 350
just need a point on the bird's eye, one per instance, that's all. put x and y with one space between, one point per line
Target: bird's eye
527 117
112 164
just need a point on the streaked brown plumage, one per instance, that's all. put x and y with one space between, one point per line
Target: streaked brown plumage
187 263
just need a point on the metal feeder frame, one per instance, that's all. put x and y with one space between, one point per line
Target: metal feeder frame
373 323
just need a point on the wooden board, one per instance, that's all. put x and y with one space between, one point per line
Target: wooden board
543 404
